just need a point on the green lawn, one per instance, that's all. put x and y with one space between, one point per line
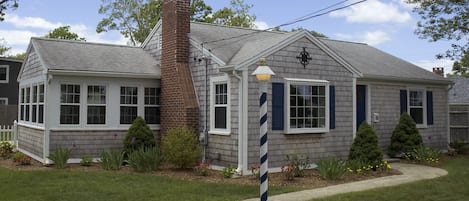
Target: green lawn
63 185
453 187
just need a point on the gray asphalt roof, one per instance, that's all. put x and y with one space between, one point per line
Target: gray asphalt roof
71 55
459 93
374 63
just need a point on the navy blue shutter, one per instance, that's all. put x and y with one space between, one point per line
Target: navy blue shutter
332 107
403 101
429 108
278 115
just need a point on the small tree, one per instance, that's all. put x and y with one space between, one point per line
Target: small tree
365 146
180 147
405 136
138 135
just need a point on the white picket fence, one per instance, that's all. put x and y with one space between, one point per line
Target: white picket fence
7 133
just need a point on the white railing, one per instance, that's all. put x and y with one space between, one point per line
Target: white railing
6 133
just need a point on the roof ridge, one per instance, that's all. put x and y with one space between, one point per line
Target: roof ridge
237 27
82 42
343 41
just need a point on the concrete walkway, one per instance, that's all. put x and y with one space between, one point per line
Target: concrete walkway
410 173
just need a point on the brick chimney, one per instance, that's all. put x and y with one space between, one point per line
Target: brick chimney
179 105
439 71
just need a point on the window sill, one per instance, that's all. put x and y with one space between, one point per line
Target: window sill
422 126
216 132
307 131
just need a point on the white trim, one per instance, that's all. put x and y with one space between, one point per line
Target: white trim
106 103
368 104
245 119
424 104
31 126
213 81
34 156
4 99
7 74
152 32
104 74
354 108
324 83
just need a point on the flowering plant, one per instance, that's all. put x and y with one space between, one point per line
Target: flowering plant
202 169
22 159
256 170
288 171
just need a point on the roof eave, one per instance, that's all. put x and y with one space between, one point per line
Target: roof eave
105 74
408 80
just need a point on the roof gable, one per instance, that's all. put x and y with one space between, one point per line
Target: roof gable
459 93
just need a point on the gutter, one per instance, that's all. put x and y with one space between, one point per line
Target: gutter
410 80
104 74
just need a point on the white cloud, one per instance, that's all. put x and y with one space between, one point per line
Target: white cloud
430 64
374 11
30 22
261 25
376 37
405 5
17 37
371 37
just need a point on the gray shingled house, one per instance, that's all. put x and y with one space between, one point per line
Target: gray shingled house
9 69
459 110
93 91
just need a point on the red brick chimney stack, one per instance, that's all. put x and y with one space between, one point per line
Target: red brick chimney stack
179 105
439 71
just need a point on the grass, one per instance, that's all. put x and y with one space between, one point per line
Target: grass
452 187
66 185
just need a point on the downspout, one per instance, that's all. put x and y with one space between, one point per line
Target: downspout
240 168
205 131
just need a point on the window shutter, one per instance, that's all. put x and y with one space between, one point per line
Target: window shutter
429 108
278 115
332 107
403 101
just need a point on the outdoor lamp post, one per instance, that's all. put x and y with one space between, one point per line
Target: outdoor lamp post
263 74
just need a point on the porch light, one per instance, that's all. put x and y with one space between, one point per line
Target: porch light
263 72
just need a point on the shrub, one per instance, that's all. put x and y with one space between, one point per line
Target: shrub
256 171
60 157
424 154
180 147
405 136
86 161
228 171
202 169
112 160
21 159
365 145
6 149
331 168
138 135
145 159
288 172
361 167
298 163
459 147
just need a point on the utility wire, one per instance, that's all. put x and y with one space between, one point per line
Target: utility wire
300 19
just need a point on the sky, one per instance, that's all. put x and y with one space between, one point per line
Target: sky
385 24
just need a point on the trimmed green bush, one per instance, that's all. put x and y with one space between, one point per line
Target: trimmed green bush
112 160
138 135
405 137
145 159
331 168
60 157
180 147
365 146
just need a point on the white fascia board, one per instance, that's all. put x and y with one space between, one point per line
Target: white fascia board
205 51
103 74
152 32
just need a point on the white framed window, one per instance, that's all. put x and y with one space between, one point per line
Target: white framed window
152 105
3 101
96 104
4 73
34 103
128 104
70 104
220 105
307 106
417 106
22 103
40 104
27 101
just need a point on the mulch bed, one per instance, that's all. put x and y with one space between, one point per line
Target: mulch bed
311 178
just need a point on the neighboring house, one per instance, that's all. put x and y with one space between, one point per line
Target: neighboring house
459 109
9 69
323 89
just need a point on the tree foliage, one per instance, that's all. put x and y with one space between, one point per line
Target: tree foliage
4 49
64 33
237 15
461 68
7 4
19 56
444 20
405 136
365 145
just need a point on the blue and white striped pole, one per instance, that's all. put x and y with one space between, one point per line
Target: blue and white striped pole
263 141
263 74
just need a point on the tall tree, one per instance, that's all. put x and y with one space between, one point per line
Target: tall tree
237 15
6 4
63 32
4 49
19 56
444 20
135 18
461 68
